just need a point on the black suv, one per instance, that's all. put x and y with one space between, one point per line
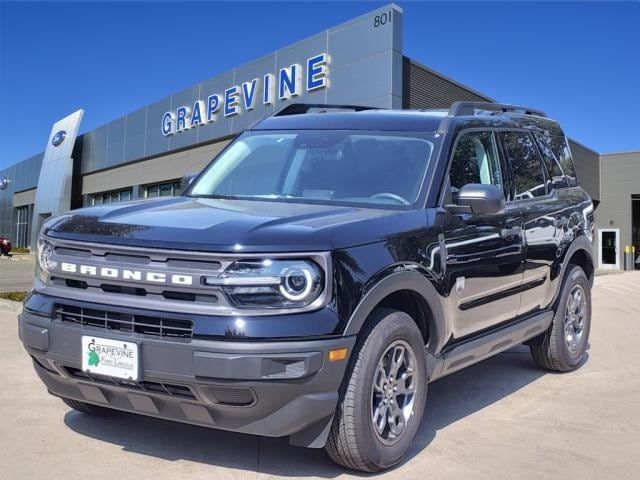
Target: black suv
319 273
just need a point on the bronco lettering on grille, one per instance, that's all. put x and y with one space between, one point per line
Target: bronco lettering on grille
126 274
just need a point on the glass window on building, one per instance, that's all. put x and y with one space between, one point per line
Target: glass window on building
166 189
23 225
114 196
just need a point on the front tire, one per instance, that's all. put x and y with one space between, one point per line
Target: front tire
563 347
383 399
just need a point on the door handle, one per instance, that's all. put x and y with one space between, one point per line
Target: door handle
511 232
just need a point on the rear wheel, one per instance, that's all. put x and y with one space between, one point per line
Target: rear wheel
383 400
563 347
88 408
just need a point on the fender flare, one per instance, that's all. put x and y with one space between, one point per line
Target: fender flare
405 280
580 243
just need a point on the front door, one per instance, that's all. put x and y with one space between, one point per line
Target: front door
484 253
609 242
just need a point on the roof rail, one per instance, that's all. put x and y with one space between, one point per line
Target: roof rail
300 108
469 108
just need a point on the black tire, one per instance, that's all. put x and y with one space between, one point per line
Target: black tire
353 441
552 351
95 410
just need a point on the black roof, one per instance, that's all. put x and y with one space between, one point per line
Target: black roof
406 120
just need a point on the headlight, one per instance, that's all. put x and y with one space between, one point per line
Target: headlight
45 252
44 261
271 283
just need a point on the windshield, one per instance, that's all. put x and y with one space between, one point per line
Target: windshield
321 166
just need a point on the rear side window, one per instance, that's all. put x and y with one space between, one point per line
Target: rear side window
526 165
560 148
556 174
557 149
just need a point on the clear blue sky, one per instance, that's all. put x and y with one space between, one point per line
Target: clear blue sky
577 61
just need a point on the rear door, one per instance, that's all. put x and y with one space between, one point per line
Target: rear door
531 193
484 254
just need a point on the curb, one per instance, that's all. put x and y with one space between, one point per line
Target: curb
18 257
9 306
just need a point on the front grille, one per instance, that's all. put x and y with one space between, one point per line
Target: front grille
143 278
232 396
125 322
171 389
138 291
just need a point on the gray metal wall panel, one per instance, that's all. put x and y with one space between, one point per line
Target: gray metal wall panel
619 180
168 167
425 88
22 176
28 197
365 66
587 164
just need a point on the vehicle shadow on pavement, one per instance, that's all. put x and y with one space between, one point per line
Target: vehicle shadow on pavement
449 400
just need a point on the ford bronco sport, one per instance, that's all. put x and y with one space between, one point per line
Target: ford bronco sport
319 273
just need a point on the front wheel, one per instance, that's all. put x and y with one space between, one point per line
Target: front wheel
564 345
383 399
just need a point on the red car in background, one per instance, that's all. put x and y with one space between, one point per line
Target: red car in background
5 246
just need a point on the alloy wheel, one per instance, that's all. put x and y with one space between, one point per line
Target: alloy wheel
393 392
574 319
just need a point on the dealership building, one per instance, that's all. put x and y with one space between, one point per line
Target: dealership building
145 153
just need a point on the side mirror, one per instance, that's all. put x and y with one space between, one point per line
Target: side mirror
187 180
480 199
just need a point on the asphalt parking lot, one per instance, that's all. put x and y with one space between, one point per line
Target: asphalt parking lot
503 418
16 273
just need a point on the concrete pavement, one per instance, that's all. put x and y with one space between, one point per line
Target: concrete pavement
16 273
501 419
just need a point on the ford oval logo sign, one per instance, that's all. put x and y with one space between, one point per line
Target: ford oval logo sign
58 138
4 183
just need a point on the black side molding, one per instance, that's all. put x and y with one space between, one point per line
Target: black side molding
480 348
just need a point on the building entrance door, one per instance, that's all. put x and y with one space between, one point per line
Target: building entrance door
609 241
635 228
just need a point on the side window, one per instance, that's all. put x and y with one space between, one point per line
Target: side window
558 159
561 150
553 167
475 160
526 165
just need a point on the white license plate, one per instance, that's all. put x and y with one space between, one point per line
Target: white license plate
114 358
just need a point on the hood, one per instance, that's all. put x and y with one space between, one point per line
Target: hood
224 225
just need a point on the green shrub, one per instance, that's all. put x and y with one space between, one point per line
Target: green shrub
20 250
14 296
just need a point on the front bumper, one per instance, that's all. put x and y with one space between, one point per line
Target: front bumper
265 388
